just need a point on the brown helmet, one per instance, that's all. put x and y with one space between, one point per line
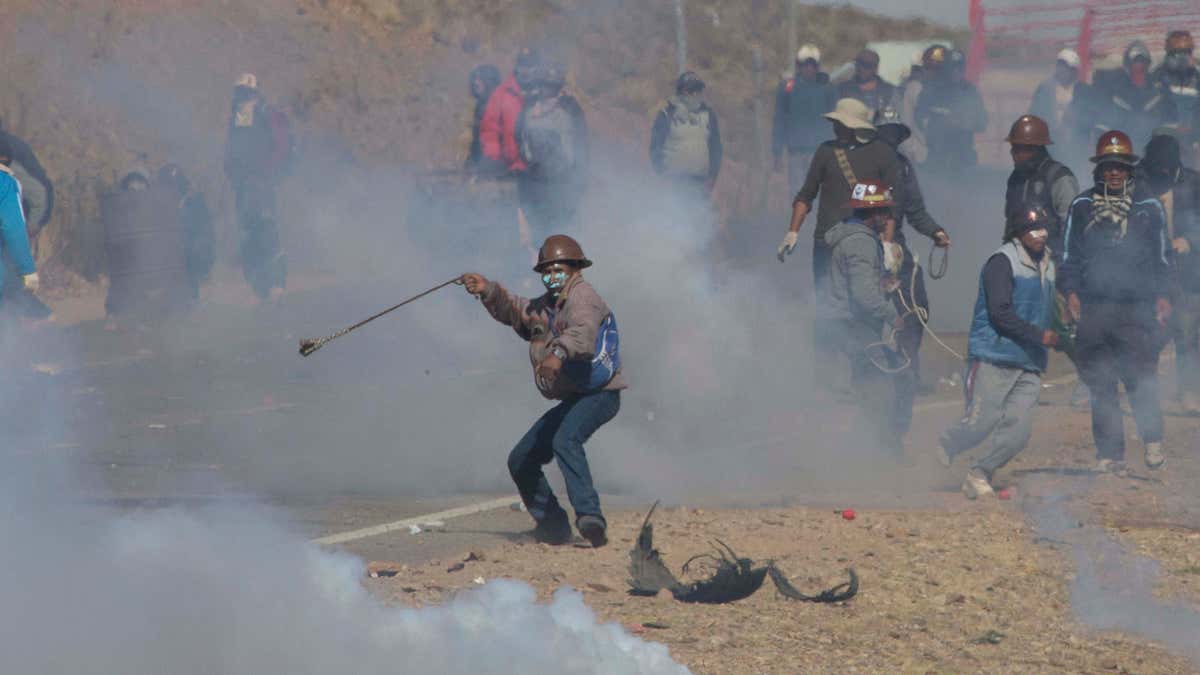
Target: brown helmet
561 248
1115 146
1179 41
870 194
1029 130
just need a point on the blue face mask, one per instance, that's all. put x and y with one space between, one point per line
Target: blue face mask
554 281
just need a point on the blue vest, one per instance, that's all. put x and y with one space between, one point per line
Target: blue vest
1033 300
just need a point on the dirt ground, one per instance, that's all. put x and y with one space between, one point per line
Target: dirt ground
951 586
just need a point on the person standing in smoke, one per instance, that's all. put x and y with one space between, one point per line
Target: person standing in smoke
1180 79
573 347
37 203
949 113
14 236
800 106
1038 179
853 156
257 155
903 266
1129 99
862 313
552 136
1117 278
866 85
199 240
1178 189
498 126
483 81
1058 100
685 141
1006 349
930 66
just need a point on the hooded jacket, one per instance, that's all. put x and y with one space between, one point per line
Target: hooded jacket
498 127
1102 264
14 239
577 313
491 79
1135 110
856 271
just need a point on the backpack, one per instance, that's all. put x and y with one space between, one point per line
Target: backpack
592 376
547 142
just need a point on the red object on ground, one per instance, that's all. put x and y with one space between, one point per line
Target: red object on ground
848 514
1003 493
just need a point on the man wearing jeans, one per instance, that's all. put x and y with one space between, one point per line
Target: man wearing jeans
573 345
1006 350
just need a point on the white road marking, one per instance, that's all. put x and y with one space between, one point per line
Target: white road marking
504 502
375 530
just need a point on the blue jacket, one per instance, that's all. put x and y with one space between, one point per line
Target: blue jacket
1033 302
14 239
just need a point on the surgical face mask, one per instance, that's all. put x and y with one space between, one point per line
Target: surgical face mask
1178 62
554 279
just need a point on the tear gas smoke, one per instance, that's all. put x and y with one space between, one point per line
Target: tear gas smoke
230 590
1113 589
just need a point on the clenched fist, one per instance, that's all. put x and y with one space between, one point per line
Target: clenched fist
475 284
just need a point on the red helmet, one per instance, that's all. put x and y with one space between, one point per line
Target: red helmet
1115 146
870 194
561 248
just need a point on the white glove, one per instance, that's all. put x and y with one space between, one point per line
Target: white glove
31 282
788 245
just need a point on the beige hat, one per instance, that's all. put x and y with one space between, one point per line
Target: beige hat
1069 57
808 52
853 113
247 80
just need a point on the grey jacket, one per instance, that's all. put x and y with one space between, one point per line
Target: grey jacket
856 275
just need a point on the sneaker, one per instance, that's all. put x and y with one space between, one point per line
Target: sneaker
942 455
1113 466
976 485
1154 455
593 529
555 534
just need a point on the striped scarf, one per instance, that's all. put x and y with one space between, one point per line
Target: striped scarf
1113 210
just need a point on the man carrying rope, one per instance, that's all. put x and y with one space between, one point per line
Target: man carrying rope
863 312
1006 349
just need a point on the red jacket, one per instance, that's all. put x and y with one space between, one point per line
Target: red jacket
498 128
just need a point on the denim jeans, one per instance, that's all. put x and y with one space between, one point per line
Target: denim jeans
1118 343
560 435
1000 402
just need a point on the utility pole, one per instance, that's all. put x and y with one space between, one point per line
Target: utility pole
680 38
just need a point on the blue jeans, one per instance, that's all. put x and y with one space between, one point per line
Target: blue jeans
560 435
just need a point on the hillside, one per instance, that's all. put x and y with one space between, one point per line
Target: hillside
94 85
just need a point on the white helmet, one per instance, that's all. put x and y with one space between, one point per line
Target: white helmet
808 52
1069 57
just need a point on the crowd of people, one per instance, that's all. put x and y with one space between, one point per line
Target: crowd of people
1108 274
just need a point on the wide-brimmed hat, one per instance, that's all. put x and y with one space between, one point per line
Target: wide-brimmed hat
853 113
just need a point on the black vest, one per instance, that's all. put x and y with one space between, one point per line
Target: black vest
1036 186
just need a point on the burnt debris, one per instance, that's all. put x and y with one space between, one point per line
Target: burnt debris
732 579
